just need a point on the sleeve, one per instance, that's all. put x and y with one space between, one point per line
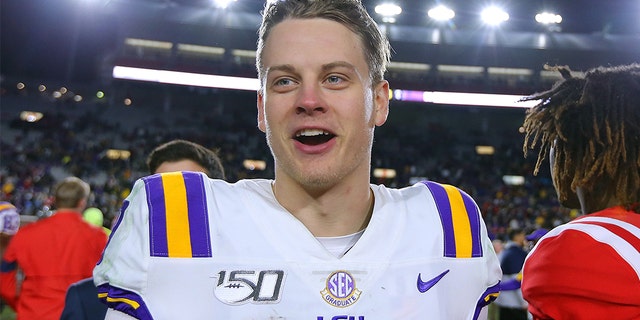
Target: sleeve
121 273
155 223
466 237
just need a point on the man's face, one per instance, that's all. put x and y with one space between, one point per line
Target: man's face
318 107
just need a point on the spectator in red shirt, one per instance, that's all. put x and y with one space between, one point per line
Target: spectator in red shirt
52 253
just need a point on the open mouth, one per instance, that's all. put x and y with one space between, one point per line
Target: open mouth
313 136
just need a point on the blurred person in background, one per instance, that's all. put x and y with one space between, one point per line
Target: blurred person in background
493 311
182 155
534 237
589 127
9 225
512 285
320 236
511 305
81 302
52 253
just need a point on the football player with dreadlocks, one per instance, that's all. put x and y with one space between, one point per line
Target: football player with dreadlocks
589 127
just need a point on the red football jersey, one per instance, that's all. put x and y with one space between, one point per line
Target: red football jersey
588 268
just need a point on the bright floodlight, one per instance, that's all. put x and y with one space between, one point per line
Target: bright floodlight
388 11
494 16
223 3
548 18
441 13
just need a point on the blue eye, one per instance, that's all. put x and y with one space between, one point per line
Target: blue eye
334 79
283 82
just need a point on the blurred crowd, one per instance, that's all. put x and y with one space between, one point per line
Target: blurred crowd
72 139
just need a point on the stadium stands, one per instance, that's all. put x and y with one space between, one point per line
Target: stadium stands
419 141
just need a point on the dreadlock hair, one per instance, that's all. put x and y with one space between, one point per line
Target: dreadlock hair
593 124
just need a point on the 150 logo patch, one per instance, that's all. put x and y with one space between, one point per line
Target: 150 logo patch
249 286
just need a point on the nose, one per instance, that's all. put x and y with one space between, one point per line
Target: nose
310 100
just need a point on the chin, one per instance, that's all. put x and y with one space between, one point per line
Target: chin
317 181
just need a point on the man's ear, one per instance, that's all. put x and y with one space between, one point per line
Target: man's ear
260 104
82 204
381 102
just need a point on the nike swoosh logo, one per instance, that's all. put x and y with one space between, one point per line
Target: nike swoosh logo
423 286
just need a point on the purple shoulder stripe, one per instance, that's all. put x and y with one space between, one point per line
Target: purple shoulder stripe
178 217
460 220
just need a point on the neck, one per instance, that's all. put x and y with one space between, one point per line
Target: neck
591 202
338 211
74 210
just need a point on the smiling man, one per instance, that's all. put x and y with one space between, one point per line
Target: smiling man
319 241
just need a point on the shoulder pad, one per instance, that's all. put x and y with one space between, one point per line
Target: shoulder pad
178 216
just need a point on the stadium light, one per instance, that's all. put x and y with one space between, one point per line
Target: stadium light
144 43
117 154
547 18
252 165
388 11
463 98
30 116
202 50
384 173
494 16
251 84
550 21
185 78
223 3
441 13
485 150
513 180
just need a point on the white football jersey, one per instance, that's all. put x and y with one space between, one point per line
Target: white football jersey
9 218
188 247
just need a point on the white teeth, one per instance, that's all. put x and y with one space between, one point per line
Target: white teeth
311 133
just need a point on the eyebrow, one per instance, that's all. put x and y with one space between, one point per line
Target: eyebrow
339 64
325 67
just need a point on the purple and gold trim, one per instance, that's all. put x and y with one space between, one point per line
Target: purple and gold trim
6 205
460 219
124 301
488 297
178 218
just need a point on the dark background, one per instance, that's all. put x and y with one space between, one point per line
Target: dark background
68 38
